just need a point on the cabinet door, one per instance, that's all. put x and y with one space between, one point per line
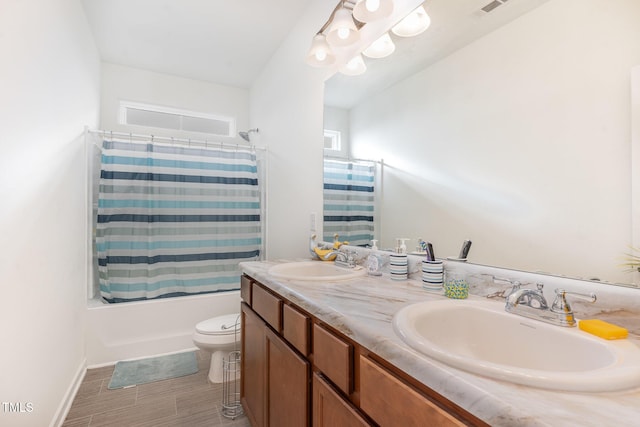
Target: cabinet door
287 384
330 409
253 367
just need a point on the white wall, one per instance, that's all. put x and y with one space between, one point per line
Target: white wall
49 81
286 104
519 141
120 83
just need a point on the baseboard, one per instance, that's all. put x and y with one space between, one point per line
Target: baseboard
67 401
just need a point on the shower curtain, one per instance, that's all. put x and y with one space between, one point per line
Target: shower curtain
349 201
174 220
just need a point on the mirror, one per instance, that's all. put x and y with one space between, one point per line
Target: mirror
514 132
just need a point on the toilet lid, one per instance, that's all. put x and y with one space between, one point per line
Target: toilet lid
221 325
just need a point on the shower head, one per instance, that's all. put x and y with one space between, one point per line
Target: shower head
245 135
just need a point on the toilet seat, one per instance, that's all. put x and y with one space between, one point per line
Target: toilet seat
221 325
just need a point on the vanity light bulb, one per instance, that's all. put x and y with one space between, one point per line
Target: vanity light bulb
320 54
413 24
372 10
354 67
342 31
372 5
380 48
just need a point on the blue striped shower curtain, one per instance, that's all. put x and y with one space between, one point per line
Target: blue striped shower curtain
349 201
174 221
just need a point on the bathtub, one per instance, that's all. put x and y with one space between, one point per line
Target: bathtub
147 328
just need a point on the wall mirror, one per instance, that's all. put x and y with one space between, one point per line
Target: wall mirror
513 129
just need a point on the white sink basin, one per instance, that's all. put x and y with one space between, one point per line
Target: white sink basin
315 271
480 337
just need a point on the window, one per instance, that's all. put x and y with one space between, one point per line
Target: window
132 113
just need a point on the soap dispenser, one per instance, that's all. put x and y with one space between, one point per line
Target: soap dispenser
403 246
373 262
398 262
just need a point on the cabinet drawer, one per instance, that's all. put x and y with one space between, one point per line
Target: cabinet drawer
267 305
391 402
245 289
330 409
296 328
334 357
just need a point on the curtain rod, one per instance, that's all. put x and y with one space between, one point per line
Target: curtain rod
353 159
202 142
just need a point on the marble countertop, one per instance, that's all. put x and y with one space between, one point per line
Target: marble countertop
363 309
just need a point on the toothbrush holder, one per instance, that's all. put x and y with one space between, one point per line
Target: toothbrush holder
398 266
432 275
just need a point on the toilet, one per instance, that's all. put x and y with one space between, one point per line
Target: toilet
219 336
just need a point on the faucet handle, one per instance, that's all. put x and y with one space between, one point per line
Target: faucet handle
561 305
515 286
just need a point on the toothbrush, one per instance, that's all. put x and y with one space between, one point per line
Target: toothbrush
464 251
430 254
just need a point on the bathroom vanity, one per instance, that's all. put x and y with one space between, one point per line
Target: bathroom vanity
325 354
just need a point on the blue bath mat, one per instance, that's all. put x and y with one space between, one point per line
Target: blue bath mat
133 372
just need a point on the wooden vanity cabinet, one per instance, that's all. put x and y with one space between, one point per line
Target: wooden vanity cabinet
275 379
330 409
297 371
391 402
253 371
334 357
287 384
267 305
296 329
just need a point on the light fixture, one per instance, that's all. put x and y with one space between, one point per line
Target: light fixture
413 24
342 31
371 10
380 48
320 54
340 34
355 66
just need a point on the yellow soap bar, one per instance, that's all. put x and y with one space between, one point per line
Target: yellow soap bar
603 329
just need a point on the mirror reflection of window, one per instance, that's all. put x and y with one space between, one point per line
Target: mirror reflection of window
332 140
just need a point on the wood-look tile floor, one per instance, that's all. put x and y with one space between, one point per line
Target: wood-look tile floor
189 401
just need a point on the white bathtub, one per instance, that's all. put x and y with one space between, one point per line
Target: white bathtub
147 328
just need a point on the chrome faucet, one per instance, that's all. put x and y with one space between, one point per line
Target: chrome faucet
563 310
531 298
343 259
531 303
504 293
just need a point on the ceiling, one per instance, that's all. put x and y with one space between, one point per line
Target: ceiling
229 42
221 41
454 24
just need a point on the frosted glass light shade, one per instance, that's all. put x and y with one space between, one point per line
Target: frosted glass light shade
371 10
380 48
320 54
413 24
342 31
354 67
